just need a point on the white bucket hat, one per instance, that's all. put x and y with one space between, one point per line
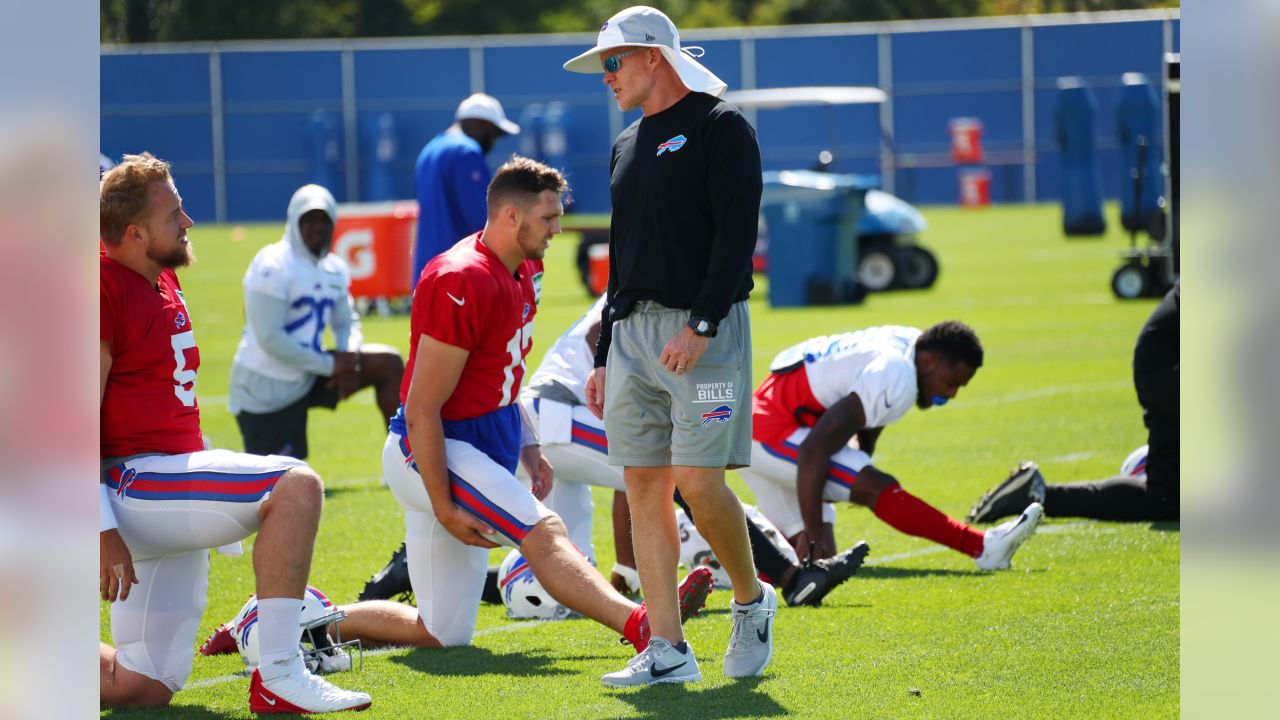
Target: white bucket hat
486 107
643 26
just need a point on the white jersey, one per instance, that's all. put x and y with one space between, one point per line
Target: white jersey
877 363
570 360
311 289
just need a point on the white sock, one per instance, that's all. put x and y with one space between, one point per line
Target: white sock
279 632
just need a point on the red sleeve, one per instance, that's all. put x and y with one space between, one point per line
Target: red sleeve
109 328
451 308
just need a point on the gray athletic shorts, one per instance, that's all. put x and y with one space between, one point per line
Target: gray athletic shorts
655 418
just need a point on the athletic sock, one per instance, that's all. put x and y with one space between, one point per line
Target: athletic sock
279 631
682 646
636 629
913 516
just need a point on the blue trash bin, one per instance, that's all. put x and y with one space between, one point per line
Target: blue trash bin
1075 122
813 247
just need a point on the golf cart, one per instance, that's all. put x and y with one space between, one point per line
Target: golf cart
889 256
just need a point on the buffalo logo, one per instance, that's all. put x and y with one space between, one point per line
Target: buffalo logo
604 27
672 145
721 415
127 476
649 38
525 315
179 320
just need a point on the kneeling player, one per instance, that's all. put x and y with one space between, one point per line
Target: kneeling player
164 499
822 393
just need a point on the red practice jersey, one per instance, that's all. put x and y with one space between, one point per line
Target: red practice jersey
150 401
466 298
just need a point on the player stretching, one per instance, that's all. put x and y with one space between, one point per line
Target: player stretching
822 393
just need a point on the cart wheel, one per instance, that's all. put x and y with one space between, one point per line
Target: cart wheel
876 270
1130 281
917 267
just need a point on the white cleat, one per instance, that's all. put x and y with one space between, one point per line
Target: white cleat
751 644
302 694
1002 541
660 662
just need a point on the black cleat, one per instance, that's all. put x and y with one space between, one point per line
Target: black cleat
816 579
392 581
1025 485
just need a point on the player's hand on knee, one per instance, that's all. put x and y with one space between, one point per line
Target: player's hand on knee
467 528
115 566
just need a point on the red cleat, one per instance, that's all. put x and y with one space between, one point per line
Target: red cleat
220 642
694 590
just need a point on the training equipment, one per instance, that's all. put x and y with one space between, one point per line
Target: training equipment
320 652
1002 541
695 551
751 644
818 578
1024 486
659 663
302 694
523 595
1135 465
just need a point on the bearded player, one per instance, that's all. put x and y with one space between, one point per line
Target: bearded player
164 500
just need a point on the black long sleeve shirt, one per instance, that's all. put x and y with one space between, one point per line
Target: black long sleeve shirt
685 185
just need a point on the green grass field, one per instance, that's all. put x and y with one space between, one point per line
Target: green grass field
1084 625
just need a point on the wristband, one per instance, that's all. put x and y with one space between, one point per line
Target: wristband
106 516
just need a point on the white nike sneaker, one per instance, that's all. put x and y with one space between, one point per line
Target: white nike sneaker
659 663
302 694
751 644
1002 541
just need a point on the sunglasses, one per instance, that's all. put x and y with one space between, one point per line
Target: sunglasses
612 63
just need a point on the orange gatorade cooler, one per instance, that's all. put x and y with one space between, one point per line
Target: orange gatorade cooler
966 140
975 187
598 268
376 241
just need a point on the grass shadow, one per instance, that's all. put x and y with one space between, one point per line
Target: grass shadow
194 712
740 699
1167 526
475 661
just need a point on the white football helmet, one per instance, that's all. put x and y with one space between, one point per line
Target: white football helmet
1136 464
523 595
320 652
695 551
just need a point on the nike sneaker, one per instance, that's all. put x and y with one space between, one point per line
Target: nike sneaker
220 642
661 662
751 643
392 581
302 694
1024 486
817 578
1002 541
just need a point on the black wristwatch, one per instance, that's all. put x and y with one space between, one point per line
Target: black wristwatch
702 326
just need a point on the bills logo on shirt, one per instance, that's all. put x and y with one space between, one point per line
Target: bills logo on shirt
179 320
721 415
673 144
525 315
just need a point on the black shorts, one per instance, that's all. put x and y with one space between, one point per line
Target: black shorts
284 432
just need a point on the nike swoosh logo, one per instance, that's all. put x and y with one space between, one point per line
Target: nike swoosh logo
456 300
764 636
663 672
269 701
886 404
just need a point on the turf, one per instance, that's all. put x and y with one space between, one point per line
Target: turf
1084 625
